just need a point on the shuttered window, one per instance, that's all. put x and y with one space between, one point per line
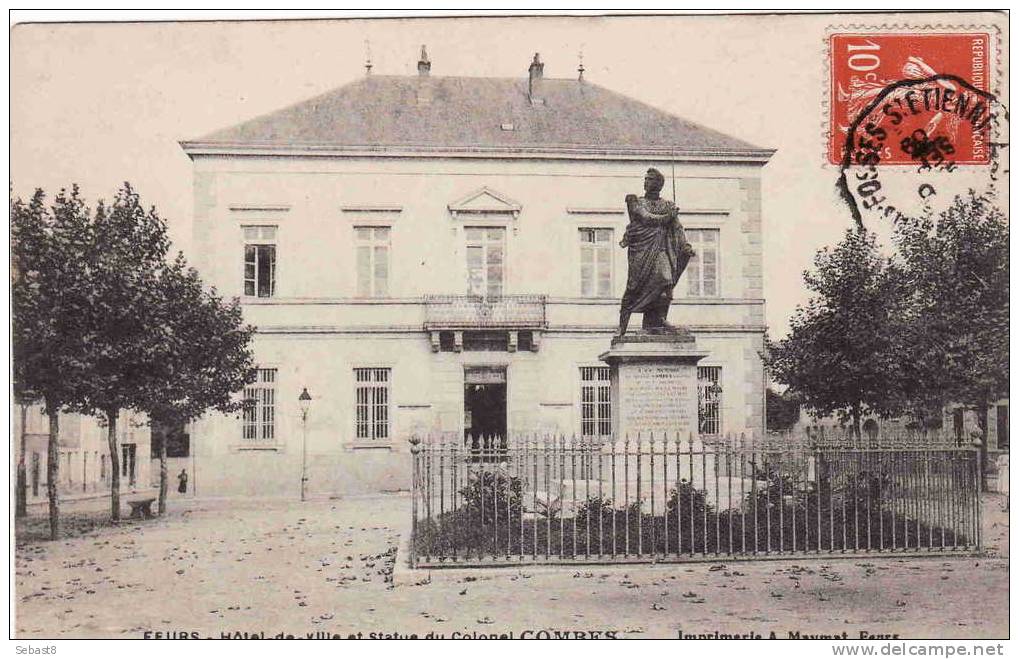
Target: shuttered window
371 403
486 259
595 401
702 272
259 420
596 262
709 399
372 245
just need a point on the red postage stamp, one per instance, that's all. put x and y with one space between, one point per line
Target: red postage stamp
920 88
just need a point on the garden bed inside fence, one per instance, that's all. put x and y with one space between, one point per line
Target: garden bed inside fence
492 520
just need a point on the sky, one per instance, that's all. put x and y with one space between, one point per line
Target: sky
98 104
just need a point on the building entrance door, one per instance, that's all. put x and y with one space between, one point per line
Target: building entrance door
484 407
1002 427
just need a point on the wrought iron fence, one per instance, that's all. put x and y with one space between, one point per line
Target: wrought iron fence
844 438
574 500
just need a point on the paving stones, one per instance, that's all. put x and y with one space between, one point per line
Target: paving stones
332 562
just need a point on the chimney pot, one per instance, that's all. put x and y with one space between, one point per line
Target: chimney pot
424 64
534 75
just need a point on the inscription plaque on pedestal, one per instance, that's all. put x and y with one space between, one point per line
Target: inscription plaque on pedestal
654 386
657 398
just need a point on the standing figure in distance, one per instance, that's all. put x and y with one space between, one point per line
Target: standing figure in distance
658 253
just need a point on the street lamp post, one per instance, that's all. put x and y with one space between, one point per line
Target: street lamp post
304 400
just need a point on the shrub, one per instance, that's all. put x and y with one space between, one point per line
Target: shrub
782 512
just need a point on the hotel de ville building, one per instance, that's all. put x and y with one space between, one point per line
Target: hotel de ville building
428 254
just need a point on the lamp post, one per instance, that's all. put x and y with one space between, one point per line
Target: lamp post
304 400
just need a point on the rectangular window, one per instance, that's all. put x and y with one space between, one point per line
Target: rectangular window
486 254
371 403
709 399
702 272
260 261
595 402
596 262
372 245
259 420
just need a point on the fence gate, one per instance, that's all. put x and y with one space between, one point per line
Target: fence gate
572 500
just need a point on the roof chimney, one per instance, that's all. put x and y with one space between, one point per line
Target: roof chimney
534 75
424 64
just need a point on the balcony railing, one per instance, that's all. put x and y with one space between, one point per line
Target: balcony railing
460 312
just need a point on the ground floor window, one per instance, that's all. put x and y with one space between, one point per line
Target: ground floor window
709 400
260 407
371 402
595 401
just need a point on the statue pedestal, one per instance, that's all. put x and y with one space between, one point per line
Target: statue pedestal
654 385
654 411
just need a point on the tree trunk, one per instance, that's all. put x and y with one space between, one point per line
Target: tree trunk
111 435
856 422
53 470
21 493
982 409
163 476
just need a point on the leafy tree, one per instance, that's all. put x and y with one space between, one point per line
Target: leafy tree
957 336
782 410
21 480
202 358
47 303
122 259
841 354
103 323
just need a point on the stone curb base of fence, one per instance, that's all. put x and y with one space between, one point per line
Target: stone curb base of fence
404 575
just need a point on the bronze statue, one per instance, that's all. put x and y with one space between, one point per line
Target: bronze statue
658 254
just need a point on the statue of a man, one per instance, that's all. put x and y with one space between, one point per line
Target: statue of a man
658 254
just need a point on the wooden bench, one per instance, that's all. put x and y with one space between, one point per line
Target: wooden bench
141 508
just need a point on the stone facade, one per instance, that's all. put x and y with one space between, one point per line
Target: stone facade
431 343
84 453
